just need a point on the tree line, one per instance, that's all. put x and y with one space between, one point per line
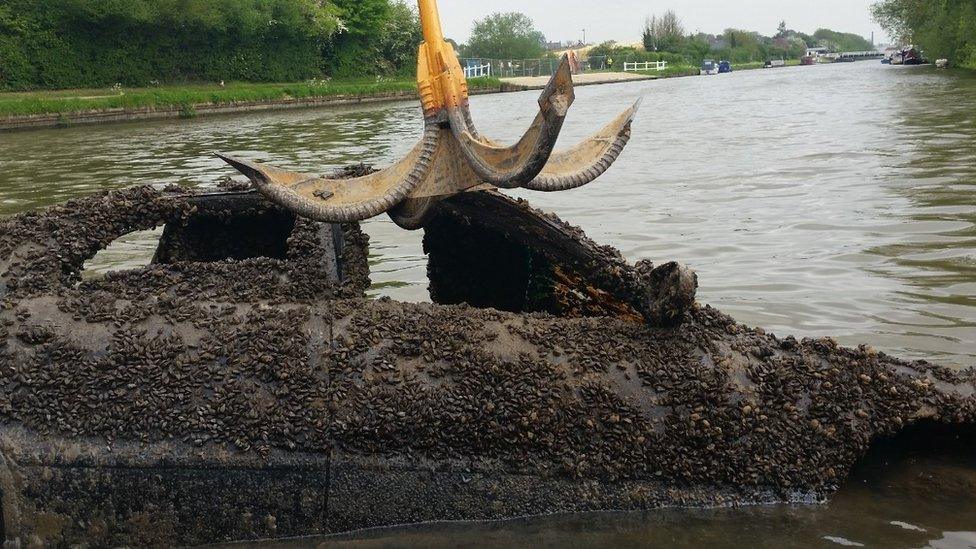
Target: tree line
57 44
51 44
664 38
943 29
54 44
514 36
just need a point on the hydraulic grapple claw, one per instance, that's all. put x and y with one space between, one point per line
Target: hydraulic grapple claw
582 164
453 157
513 167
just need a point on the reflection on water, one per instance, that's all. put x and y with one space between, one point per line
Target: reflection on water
828 200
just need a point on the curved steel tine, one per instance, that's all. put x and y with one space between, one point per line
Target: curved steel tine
343 200
580 165
512 167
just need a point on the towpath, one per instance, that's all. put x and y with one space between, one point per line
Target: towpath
539 82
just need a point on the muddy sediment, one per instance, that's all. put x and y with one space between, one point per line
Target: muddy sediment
242 387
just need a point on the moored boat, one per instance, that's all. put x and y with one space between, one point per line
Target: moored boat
908 55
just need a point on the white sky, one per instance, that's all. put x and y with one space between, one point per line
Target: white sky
622 20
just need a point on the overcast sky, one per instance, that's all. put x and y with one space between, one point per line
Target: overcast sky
622 20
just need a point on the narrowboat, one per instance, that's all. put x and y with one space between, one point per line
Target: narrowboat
709 66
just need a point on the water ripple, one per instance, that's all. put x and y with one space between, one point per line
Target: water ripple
831 200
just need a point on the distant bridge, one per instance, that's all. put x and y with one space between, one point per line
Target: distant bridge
860 55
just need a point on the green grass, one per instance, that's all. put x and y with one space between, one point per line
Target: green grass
672 71
188 97
747 66
759 64
689 70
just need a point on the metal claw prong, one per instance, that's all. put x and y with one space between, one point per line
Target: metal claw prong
514 166
343 200
582 164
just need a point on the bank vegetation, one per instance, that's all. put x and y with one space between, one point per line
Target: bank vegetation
188 98
61 44
943 29
665 39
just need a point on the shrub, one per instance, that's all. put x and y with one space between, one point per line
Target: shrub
55 44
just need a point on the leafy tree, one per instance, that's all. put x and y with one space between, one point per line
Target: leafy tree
944 29
901 18
94 43
355 50
698 48
400 38
665 33
840 41
747 40
782 31
810 41
506 36
362 17
648 37
626 54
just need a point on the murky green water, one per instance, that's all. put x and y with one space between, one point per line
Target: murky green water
830 200
814 200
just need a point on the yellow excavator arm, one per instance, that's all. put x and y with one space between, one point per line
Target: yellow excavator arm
440 79
453 157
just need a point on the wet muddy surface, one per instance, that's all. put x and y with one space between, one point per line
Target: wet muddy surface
270 353
257 346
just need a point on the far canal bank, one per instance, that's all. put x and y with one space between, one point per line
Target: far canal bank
53 109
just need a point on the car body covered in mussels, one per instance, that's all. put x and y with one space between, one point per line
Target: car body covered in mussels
242 386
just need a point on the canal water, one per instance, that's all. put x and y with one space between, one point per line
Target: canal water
829 200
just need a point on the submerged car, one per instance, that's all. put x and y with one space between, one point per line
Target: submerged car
222 391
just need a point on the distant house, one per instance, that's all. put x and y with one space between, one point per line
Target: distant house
556 47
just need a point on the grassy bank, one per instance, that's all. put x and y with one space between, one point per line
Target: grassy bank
186 97
688 70
673 71
759 64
